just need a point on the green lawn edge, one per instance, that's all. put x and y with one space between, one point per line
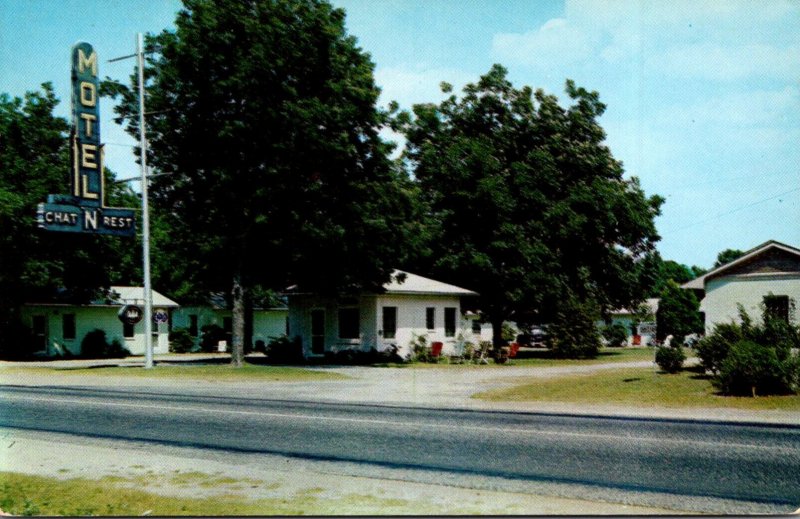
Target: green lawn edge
635 387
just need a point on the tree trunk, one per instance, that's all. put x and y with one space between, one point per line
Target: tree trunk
497 332
237 332
248 321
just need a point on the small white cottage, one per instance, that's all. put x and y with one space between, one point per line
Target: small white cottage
766 277
639 332
411 306
59 328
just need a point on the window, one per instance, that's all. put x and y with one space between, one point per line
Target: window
68 326
476 326
348 323
430 318
449 322
389 322
127 330
777 307
193 325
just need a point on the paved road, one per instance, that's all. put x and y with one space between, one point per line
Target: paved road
713 467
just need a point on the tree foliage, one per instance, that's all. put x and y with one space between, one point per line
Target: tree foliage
34 264
727 256
678 313
264 121
528 206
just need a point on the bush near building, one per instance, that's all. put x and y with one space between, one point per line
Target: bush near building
753 359
180 341
95 346
615 335
670 358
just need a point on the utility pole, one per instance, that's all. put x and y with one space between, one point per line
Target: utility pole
148 293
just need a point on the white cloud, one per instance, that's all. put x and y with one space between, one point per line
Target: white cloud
740 39
557 41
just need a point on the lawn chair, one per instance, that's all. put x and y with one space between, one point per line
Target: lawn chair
483 354
512 352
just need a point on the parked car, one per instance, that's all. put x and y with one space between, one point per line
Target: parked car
534 337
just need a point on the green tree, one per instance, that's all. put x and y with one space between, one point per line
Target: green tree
34 264
678 313
264 122
727 256
529 207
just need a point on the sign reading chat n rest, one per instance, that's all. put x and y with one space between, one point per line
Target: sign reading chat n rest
84 209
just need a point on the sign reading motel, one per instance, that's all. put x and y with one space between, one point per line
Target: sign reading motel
84 209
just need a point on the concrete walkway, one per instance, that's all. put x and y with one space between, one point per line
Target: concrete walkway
434 387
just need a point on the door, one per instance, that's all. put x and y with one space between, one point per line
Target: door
389 325
39 334
318 332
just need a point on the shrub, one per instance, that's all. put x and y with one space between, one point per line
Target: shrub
95 346
283 350
210 335
615 335
180 341
713 348
16 342
420 351
750 369
573 333
670 358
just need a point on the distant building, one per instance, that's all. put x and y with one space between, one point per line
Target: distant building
765 277
411 306
59 327
639 332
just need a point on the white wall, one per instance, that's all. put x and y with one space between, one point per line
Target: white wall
723 294
88 318
410 322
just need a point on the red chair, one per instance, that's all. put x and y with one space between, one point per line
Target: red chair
436 349
512 351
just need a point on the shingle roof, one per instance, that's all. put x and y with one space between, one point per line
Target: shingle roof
407 283
699 283
135 295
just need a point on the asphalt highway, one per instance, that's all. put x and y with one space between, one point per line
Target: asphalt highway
751 467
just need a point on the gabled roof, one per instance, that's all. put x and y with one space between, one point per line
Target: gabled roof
114 296
699 283
135 295
407 283
401 282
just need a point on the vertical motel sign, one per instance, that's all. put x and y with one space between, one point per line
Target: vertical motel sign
84 209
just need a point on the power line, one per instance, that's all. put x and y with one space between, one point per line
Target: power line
720 215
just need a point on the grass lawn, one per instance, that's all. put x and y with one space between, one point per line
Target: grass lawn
636 387
22 494
209 372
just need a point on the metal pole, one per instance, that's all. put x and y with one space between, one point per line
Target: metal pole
148 296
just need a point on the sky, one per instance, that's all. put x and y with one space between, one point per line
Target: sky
703 97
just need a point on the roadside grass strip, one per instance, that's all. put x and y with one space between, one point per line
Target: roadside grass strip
22 494
636 387
223 372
